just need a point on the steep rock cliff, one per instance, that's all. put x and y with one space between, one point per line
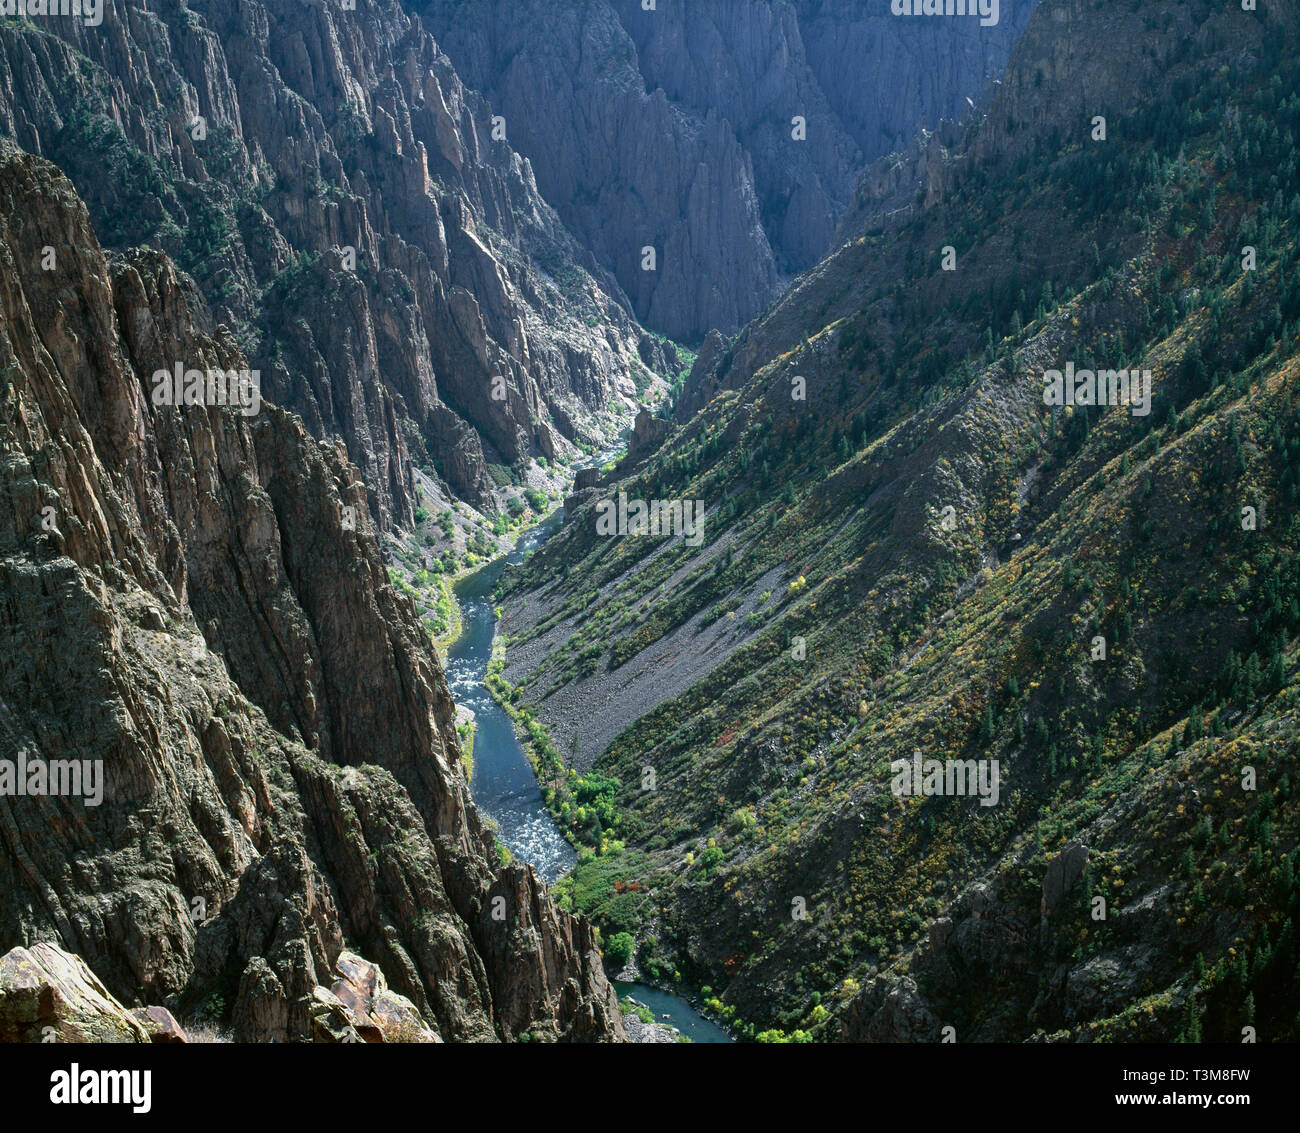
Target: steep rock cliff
674 128
185 601
338 195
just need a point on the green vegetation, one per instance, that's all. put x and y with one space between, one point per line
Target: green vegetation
618 949
862 628
465 735
642 1013
430 589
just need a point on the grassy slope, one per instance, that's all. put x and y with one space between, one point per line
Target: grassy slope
772 773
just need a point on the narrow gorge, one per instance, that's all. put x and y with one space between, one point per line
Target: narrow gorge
562 522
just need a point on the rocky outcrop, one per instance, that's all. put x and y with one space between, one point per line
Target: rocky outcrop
187 603
339 196
982 939
360 1008
726 135
386 1017
586 478
1063 872
894 189
648 432
48 996
890 1012
705 378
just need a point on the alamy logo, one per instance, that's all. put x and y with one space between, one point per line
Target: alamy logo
102 1087
987 10
1105 387
242 388
92 11
656 517
946 777
39 778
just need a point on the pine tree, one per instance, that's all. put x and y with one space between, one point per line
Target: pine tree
1276 673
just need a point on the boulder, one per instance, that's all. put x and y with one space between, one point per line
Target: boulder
331 1020
48 995
377 1014
160 1023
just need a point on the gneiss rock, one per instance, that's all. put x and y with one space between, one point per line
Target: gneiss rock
332 1022
676 128
347 211
46 995
261 1006
282 772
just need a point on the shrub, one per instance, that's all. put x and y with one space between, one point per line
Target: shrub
618 950
536 500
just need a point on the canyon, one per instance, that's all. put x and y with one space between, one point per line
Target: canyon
504 492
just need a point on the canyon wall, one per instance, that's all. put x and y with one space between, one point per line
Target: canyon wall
186 601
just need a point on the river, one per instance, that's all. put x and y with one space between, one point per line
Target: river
504 785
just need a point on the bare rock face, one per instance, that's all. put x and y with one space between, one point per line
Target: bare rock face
261 1007
1063 872
187 610
586 478
725 134
623 166
887 76
342 202
648 432
47 995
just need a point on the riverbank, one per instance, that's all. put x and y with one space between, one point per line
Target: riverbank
665 1011
504 784
605 875
455 623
